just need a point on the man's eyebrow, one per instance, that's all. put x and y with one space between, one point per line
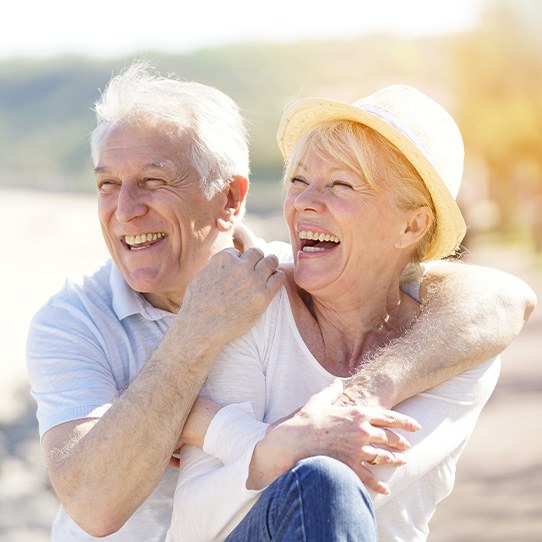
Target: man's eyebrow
164 164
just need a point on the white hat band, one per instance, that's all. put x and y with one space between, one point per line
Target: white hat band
393 120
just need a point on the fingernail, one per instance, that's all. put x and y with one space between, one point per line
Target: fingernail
401 458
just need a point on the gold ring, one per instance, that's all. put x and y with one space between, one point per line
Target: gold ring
375 460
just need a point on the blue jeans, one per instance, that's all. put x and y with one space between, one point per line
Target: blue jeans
319 500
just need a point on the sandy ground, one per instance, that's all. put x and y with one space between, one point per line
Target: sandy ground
46 237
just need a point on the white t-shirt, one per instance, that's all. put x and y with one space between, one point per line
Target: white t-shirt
270 372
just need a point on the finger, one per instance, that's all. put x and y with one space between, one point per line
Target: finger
390 418
267 264
232 251
371 481
387 437
395 441
252 255
275 281
379 456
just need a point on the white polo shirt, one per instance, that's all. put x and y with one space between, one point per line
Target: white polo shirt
84 348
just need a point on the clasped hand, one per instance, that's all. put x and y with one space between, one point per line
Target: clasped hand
355 435
227 296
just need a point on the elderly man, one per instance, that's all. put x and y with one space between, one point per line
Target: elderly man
116 360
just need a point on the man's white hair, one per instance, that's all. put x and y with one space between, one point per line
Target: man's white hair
212 120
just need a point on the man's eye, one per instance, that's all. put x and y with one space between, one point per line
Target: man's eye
106 186
154 183
297 181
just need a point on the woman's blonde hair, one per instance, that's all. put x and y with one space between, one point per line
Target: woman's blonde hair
360 149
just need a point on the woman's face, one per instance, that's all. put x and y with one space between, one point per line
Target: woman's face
342 231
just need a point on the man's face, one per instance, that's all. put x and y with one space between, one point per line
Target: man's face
159 228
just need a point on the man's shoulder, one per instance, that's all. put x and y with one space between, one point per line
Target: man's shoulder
91 289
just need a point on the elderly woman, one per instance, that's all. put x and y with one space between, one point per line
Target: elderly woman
370 194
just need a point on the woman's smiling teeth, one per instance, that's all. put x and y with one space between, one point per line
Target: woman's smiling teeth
134 241
312 241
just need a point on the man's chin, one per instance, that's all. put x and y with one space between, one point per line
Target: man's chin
144 281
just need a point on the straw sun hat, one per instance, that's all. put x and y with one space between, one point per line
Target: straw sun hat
418 126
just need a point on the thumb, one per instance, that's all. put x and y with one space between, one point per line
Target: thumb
329 394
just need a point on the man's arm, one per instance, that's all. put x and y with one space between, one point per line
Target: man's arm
103 469
454 333
352 434
470 314
234 466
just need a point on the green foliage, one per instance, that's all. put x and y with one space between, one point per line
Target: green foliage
46 106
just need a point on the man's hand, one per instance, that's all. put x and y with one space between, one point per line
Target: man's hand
357 436
231 292
221 303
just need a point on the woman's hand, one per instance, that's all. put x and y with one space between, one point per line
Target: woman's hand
357 436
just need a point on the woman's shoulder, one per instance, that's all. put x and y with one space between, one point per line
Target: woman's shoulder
281 309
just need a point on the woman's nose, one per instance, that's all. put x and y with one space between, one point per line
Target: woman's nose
312 198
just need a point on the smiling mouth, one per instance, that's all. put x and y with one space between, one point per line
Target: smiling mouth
310 241
142 241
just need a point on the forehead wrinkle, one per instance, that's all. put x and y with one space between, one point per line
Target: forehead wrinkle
331 168
161 164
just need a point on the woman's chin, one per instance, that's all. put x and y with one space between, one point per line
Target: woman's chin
311 280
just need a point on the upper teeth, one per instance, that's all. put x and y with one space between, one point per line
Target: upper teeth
143 238
318 236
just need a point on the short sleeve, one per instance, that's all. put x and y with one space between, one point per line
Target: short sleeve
69 372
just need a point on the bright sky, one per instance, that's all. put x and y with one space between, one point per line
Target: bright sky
120 27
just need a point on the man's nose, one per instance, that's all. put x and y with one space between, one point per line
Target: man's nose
130 203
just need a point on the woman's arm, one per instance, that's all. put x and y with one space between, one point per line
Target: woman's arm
239 458
351 434
448 414
470 314
218 477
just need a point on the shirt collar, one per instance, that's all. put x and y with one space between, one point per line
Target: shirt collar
127 302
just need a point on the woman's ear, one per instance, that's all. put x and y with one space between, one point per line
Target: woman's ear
234 203
416 226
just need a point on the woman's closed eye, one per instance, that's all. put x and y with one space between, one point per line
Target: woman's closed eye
341 184
298 181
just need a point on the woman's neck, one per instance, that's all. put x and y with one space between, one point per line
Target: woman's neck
341 334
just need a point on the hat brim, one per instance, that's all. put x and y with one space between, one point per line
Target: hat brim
307 113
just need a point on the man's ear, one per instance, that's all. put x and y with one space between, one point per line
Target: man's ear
419 221
234 203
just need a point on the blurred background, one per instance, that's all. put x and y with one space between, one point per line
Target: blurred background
481 59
